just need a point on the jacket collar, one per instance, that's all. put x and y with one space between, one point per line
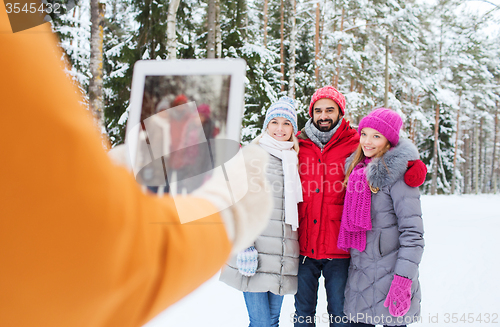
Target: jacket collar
387 169
339 134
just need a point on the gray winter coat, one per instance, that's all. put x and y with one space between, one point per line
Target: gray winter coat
394 245
278 248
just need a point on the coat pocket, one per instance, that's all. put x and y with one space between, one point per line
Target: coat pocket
389 240
334 216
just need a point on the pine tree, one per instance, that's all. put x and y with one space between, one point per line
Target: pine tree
120 54
438 58
73 29
97 10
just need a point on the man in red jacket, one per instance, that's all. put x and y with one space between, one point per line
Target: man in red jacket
325 143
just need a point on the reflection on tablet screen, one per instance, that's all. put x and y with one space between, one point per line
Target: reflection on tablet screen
183 123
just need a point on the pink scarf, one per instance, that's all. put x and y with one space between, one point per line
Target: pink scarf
356 216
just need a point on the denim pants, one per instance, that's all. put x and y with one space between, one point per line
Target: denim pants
306 298
263 308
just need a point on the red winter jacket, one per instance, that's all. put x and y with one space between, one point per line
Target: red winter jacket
322 175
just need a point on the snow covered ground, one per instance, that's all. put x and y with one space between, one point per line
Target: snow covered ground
459 273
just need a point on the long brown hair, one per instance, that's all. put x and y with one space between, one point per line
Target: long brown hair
360 156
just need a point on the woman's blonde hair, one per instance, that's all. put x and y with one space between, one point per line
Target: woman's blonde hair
360 156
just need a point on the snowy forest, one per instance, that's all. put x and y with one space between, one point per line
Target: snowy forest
431 61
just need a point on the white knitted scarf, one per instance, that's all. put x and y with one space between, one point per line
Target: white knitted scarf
292 187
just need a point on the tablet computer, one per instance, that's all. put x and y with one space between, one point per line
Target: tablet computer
184 120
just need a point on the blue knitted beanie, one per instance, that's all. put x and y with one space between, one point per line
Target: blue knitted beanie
284 107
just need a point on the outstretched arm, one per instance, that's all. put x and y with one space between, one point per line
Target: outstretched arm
81 244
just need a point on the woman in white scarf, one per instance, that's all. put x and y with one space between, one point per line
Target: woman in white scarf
286 151
266 271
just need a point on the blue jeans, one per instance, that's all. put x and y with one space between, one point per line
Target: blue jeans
263 308
335 273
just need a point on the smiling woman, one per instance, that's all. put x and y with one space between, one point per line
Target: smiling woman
267 270
381 226
372 142
280 129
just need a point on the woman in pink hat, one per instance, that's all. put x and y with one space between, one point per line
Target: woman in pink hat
381 226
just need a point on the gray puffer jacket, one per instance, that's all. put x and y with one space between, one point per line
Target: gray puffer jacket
278 248
394 245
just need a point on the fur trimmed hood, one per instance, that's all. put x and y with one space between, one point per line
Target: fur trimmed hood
387 169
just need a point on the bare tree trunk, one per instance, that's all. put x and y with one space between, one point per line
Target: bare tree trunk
412 121
265 22
282 47
316 42
454 176
211 29
495 140
496 176
466 173
171 34
414 124
472 145
435 155
480 160
484 159
339 51
96 42
218 32
495 181
73 25
476 160
244 29
386 93
293 38
321 27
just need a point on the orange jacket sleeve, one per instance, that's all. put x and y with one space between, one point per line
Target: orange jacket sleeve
80 244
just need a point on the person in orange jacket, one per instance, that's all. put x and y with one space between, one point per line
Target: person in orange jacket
80 243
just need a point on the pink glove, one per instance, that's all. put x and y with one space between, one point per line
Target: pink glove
399 298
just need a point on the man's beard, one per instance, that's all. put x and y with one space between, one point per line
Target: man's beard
326 129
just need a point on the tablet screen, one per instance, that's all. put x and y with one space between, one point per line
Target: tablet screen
181 132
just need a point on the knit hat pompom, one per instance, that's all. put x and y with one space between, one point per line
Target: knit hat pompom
386 121
180 99
328 92
284 107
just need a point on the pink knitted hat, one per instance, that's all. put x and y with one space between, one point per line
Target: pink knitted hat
204 110
385 121
328 92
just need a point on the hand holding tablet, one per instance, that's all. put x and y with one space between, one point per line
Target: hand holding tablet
184 121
